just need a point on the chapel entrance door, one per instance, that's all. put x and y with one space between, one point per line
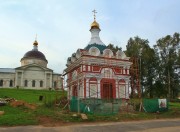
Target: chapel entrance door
74 91
107 90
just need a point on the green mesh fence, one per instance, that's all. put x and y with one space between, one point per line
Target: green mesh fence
155 105
95 106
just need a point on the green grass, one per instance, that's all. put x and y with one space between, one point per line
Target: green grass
16 116
22 115
46 110
175 105
31 96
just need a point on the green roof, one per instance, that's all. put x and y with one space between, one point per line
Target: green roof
99 46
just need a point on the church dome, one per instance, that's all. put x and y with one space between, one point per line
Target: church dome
95 25
35 54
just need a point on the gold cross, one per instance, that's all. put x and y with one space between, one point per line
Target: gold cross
94 11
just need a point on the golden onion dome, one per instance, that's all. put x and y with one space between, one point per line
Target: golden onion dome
95 24
35 43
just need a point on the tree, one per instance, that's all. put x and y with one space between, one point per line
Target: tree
139 49
114 48
167 49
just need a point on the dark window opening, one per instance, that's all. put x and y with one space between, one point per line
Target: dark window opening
25 83
11 83
55 84
33 83
41 83
1 83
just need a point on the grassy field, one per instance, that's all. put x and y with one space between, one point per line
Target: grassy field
22 115
46 113
31 96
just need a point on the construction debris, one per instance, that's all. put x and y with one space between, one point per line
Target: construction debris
4 101
1 113
18 103
84 116
74 115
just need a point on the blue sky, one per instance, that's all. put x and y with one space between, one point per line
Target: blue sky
63 26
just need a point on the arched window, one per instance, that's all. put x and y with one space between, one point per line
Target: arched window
11 83
55 84
33 83
93 88
41 83
1 83
25 83
122 89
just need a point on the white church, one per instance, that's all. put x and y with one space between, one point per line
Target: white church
32 74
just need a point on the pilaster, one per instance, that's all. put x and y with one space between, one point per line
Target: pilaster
99 88
87 87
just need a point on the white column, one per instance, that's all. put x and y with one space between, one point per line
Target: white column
51 80
22 76
45 79
128 70
127 89
117 89
4 83
124 70
38 84
81 91
16 79
29 83
7 83
99 87
89 68
87 87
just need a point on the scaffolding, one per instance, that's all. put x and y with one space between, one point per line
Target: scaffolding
135 78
